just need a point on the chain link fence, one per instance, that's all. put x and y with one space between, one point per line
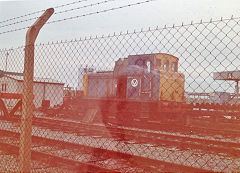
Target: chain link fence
154 100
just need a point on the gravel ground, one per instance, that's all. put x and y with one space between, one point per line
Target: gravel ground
9 163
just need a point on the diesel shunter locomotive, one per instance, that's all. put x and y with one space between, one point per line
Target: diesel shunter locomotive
148 77
138 86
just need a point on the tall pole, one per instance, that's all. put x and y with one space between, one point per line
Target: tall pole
27 104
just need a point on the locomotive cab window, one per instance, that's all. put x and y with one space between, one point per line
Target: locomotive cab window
4 87
166 65
141 63
174 67
148 64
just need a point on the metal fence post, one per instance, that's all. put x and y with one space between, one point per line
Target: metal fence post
27 107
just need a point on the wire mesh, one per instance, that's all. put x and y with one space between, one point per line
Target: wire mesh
155 100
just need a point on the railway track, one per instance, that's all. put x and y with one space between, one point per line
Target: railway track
55 153
208 137
81 158
139 136
9 143
154 139
200 130
203 122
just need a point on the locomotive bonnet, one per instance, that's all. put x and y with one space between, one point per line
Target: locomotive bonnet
148 77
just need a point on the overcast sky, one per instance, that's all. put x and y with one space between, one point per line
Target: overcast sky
152 14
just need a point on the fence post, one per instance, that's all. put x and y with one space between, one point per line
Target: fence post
27 106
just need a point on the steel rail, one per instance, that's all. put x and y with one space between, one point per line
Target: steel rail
147 136
140 136
145 162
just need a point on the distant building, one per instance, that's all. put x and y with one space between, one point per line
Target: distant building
229 76
43 88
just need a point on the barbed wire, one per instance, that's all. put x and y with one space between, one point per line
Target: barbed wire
83 15
36 12
64 5
85 6
25 15
60 12
102 11
135 31
142 30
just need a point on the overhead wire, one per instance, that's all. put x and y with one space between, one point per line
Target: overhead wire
60 12
84 15
102 11
85 6
40 11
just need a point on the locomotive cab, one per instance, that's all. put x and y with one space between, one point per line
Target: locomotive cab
151 77
141 77
171 81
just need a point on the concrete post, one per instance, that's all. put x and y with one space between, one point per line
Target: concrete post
27 106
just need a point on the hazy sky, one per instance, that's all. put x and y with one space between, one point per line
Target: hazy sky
152 14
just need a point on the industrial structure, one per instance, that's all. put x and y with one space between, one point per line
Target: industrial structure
229 76
44 89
